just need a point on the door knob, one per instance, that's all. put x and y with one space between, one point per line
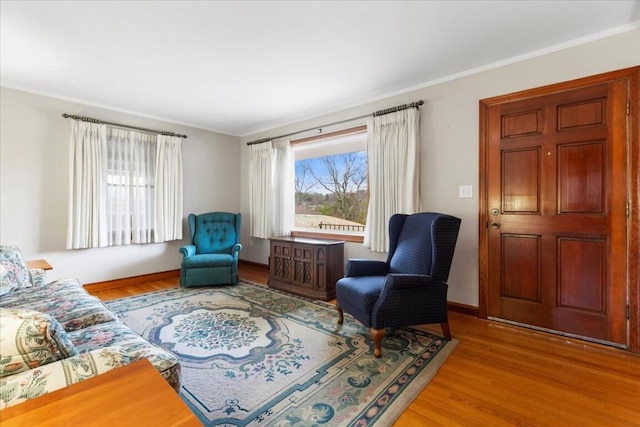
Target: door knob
495 225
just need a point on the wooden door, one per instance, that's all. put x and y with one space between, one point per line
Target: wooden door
556 211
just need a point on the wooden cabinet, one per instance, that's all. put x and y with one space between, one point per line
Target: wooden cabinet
306 267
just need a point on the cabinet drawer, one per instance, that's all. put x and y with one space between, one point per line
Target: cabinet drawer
281 250
303 252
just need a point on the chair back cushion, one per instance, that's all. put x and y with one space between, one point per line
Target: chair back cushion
423 243
412 253
214 232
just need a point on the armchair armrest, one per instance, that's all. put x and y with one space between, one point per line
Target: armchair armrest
366 267
235 249
188 251
408 281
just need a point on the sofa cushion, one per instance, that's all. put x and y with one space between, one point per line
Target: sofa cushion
29 339
33 383
13 271
74 312
66 300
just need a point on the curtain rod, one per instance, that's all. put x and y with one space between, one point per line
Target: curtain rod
92 120
375 114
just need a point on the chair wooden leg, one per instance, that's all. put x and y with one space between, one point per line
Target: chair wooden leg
376 335
446 331
340 314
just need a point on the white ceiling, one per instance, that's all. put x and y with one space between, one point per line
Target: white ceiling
239 67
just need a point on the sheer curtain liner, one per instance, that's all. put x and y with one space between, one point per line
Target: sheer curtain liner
130 186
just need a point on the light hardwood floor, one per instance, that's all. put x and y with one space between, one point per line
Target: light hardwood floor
500 375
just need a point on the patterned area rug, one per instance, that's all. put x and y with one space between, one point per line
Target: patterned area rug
252 356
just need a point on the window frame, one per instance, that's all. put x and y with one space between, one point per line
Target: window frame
331 236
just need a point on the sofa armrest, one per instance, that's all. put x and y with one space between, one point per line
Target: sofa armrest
188 251
36 382
37 277
31 339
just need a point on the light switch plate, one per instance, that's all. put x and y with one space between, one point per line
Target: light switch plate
465 191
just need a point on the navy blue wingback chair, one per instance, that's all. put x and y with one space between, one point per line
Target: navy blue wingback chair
212 258
410 288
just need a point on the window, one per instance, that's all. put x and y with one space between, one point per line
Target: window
125 187
331 197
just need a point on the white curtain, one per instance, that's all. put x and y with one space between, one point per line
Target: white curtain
168 189
130 187
393 165
271 186
87 226
125 187
260 171
283 200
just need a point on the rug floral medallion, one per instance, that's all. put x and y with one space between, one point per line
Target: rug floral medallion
253 356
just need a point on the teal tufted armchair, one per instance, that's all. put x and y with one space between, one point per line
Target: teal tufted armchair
212 258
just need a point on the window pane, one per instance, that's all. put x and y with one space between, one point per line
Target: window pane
331 191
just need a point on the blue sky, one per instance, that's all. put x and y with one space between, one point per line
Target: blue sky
320 170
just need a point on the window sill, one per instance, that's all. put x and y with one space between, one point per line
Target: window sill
328 236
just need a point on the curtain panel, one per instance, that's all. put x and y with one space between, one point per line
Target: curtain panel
260 170
271 189
283 189
394 172
87 222
168 189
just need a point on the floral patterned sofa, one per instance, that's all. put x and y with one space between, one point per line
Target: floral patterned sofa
56 334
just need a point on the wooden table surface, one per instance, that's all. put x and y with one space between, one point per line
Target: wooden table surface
134 395
39 263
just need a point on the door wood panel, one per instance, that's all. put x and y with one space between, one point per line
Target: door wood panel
582 281
521 181
557 174
581 178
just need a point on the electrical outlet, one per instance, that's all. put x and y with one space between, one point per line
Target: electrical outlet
465 191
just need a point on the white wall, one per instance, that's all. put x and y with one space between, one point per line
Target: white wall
34 163
449 133
34 191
